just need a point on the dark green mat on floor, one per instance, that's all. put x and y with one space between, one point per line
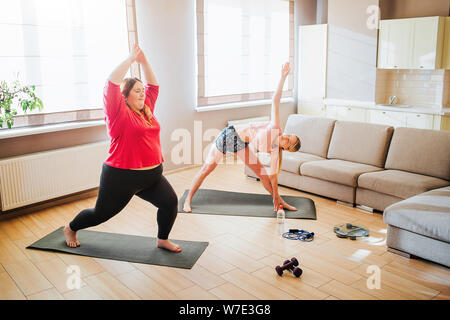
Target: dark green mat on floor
123 247
220 202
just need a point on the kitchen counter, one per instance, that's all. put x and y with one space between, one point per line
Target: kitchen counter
372 106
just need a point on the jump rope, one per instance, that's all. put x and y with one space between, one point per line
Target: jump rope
299 234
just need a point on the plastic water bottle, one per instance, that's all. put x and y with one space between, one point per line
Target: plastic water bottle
280 220
281 215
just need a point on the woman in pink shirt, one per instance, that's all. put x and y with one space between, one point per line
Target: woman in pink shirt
134 165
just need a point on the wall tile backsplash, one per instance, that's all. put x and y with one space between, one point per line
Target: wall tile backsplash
425 88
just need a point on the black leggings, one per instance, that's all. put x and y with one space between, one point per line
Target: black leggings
118 186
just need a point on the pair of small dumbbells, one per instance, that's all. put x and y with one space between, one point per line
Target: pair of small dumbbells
290 265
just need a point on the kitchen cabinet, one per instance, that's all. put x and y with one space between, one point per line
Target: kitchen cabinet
346 113
312 69
394 44
414 43
420 121
389 118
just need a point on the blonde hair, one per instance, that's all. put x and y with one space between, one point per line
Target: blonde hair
293 148
280 160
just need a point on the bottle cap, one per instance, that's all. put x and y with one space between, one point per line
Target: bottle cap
281 207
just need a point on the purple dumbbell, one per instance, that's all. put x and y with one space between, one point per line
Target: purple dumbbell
289 265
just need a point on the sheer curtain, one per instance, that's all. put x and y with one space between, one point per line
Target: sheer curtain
242 45
66 48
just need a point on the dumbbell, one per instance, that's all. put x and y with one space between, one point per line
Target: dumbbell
289 265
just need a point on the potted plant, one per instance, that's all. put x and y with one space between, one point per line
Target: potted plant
16 94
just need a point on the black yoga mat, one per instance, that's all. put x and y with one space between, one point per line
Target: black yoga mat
123 247
219 202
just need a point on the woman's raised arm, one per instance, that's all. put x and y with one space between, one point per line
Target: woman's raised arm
275 113
121 70
149 76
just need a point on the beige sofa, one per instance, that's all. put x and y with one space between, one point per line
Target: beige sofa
365 164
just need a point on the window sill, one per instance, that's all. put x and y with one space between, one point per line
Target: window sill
245 104
19 132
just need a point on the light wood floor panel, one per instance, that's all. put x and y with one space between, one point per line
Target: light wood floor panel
167 277
343 292
84 293
195 293
9 289
49 294
202 277
142 285
229 291
109 287
27 277
238 264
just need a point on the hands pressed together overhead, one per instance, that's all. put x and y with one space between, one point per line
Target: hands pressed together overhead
137 55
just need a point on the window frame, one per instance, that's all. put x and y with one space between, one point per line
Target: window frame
244 99
55 117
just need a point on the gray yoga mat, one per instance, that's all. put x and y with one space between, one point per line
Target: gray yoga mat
220 202
123 247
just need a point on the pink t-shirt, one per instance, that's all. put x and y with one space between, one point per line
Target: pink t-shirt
134 143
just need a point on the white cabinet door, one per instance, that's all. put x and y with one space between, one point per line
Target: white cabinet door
311 109
424 43
414 43
389 118
312 68
351 114
394 44
419 120
346 113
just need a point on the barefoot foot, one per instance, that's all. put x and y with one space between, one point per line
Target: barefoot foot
71 237
166 244
187 207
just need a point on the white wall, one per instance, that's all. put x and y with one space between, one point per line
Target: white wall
167 34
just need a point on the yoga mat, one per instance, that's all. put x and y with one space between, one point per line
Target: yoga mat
123 247
219 202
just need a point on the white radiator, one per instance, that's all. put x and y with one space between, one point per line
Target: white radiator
249 120
46 175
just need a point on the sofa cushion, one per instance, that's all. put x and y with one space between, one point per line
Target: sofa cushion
420 151
426 214
291 160
360 142
338 171
314 133
400 184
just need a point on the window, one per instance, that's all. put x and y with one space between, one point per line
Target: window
66 48
241 46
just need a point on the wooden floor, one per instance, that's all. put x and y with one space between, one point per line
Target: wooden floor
238 263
